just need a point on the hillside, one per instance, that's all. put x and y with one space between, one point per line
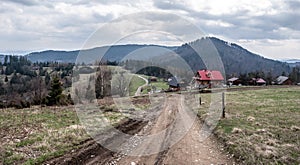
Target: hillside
113 53
236 59
239 60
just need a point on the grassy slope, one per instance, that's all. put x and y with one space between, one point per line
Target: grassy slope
32 135
262 126
134 84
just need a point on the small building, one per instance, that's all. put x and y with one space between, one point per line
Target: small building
234 81
260 81
283 80
153 79
257 81
208 78
173 83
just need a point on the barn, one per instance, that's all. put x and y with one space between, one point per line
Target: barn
208 79
234 81
283 80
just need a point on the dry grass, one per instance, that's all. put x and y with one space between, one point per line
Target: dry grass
262 126
32 135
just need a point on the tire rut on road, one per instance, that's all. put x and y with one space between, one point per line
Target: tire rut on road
180 141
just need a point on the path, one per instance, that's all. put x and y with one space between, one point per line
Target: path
180 141
190 149
139 90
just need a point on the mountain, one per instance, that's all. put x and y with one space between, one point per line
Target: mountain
239 60
290 60
235 58
111 53
52 55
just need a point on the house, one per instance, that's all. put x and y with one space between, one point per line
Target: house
153 79
208 79
283 80
234 81
173 83
257 81
260 81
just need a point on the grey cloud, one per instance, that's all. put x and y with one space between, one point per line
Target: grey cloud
169 5
247 26
23 2
293 4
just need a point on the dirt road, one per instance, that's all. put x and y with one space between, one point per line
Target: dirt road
170 138
139 90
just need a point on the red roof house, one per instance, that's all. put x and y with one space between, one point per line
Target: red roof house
210 75
260 81
208 78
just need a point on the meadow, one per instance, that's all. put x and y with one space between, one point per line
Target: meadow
262 126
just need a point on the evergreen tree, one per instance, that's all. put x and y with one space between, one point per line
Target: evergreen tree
295 75
2 90
55 95
5 60
15 79
47 78
6 79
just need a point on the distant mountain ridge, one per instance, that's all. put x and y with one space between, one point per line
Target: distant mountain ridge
112 53
290 60
235 58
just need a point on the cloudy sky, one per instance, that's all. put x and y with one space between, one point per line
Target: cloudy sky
267 27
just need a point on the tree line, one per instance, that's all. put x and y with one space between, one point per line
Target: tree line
24 83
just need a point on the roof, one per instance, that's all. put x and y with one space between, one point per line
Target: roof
281 79
260 80
233 79
210 75
173 81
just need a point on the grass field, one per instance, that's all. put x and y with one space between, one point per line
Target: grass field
32 135
261 126
159 85
135 82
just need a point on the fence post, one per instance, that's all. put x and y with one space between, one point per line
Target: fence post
200 100
223 105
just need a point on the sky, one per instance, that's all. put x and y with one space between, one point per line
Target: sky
270 28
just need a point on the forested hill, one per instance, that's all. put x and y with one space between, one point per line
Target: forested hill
112 53
236 60
239 60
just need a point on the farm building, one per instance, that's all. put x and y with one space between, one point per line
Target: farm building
153 79
173 83
208 79
257 81
234 81
260 81
283 80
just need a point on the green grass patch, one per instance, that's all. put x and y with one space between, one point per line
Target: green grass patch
262 126
134 84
